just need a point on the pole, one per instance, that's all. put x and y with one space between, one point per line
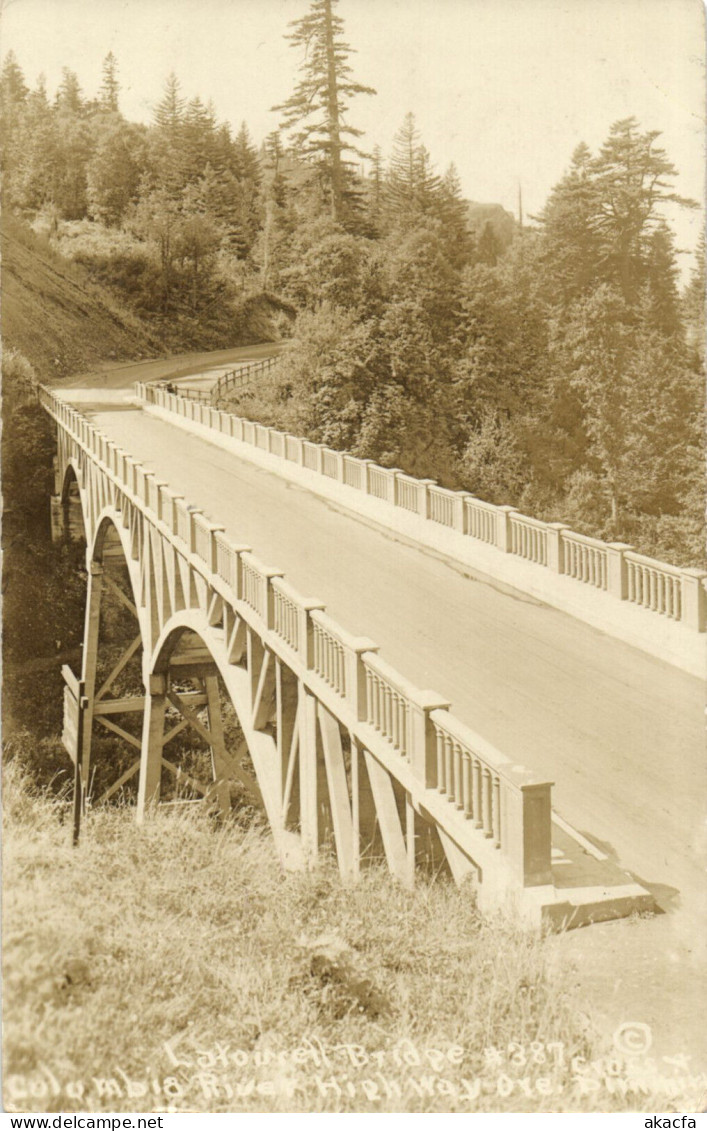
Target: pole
78 776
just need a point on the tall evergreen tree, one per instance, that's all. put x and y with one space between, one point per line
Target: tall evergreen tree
169 111
412 187
375 190
601 217
403 168
315 114
167 155
69 99
13 100
694 299
110 87
13 88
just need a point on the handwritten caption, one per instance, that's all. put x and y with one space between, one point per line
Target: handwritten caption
219 1073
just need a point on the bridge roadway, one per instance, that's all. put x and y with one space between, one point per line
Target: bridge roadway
620 733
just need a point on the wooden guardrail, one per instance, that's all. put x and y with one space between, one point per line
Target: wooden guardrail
494 810
241 378
678 594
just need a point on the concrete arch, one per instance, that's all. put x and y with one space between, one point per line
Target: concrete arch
68 512
71 474
188 643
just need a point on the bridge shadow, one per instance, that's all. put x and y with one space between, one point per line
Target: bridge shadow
667 898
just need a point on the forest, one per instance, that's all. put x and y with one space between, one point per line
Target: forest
550 362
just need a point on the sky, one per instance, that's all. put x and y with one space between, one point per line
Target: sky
505 89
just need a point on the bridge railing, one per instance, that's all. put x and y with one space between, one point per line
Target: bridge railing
498 802
678 594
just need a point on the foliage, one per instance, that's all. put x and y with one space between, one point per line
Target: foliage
555 367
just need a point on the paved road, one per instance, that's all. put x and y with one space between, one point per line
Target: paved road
120 375
620 733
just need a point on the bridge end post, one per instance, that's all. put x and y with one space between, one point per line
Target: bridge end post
528 832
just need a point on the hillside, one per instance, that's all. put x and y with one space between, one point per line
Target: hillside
55 317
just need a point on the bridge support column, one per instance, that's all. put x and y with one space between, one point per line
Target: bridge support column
219 757
152 741
58 518
309 824
89 662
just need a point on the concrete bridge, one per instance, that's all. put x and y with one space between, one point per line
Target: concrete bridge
342 749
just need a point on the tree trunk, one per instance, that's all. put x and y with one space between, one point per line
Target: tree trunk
333 119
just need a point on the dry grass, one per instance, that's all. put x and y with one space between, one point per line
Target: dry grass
180 931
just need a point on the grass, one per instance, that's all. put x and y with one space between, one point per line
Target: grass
164 966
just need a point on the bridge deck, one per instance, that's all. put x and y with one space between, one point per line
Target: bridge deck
619 732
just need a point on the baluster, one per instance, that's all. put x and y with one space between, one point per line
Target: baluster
466 784
496 811
440 760
487 802
449 767
478 807
377 695
458 791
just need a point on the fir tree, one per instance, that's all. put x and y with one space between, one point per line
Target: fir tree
110 88
69 99
315 114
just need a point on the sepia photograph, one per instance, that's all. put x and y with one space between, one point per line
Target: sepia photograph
353 533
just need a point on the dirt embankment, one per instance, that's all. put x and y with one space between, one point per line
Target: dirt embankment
55 317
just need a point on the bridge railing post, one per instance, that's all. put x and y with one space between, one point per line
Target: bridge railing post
694 599
214 529
423 496
168 508
192 513
423 740
616 569
460 510
392 474
159 486
504 539
365 477
295 441
305 629
150 490
356 682
556 546
269 573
